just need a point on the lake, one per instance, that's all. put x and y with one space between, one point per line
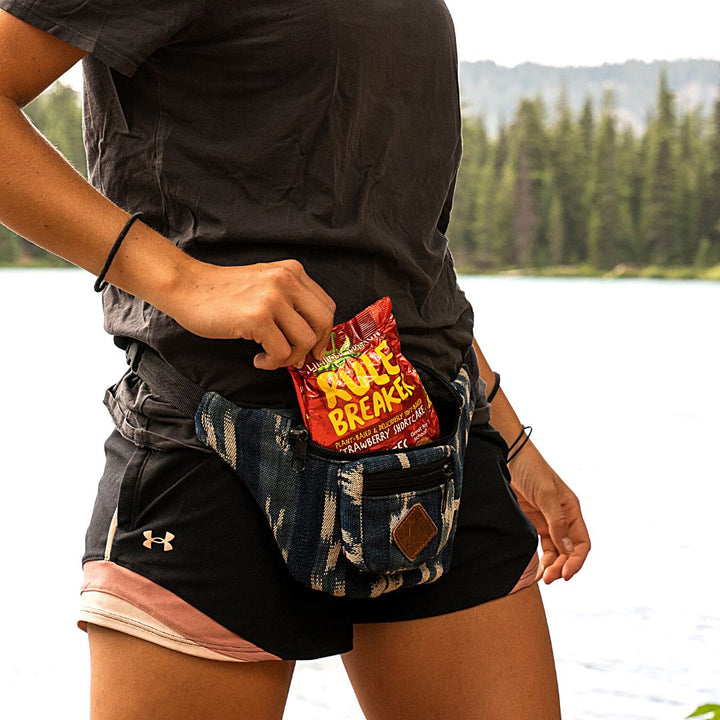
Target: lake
619 380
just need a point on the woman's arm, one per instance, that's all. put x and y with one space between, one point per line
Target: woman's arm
550 504
46 201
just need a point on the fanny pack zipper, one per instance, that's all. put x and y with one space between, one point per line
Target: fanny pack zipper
405 480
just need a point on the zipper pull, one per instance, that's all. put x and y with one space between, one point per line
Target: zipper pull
298 437
447 472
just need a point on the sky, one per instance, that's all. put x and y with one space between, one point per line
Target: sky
585 32
580 32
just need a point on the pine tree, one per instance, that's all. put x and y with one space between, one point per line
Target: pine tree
608 231
569 164
465 202
689 179
529 158
556 229
502 151
631 163
483 228
525 217
503 215
587 128
661 201
709 220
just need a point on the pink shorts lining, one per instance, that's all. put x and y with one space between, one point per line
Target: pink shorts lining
530 576
120 599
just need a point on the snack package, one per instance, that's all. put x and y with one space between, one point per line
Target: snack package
364 395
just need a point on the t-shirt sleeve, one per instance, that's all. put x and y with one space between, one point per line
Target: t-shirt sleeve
119 33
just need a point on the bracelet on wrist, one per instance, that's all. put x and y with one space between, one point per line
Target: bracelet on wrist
101 283
519 442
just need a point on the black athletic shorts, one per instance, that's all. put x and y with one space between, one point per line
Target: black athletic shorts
178 553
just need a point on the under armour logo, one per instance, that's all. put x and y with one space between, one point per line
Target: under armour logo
165 542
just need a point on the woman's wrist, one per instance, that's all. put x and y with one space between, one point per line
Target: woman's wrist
152 268
522 439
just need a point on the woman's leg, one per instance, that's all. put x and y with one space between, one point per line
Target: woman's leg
132 678
490 662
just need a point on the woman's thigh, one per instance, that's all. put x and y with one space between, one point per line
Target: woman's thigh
132 678
490 662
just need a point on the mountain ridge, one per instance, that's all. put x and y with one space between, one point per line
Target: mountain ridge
494 91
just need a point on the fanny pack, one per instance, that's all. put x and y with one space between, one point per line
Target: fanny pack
356 525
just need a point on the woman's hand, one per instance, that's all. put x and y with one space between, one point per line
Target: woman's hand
554 510
277 304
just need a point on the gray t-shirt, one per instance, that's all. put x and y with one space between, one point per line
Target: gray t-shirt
257 131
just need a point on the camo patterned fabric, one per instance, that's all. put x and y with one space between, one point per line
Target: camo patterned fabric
348 525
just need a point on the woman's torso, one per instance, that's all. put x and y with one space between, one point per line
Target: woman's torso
323 131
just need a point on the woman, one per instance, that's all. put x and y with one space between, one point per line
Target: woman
300 157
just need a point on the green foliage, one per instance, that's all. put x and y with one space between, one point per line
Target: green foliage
707 255
587 191
706 712
712 273
10 247
607 232
661 202
709 189
57 113
570 145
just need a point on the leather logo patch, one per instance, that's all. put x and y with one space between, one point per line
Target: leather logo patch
413 533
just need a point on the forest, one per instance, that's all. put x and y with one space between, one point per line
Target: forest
550 192
582 192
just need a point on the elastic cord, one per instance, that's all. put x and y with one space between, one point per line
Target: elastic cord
101 283
522 439
496 387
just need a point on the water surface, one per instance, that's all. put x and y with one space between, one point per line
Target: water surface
619 380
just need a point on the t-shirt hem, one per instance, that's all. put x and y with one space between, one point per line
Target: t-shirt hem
21 11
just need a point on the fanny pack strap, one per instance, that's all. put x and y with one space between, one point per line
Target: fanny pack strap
164 379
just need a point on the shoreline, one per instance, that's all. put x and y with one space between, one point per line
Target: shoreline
651 272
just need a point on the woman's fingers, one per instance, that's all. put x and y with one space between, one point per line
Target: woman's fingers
581 547
318 310
277 350
277 305
549 551
568 553
286 339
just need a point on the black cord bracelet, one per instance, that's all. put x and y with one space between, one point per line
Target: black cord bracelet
522 438
496 387
101 283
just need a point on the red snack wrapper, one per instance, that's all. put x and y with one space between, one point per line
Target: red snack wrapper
364 395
